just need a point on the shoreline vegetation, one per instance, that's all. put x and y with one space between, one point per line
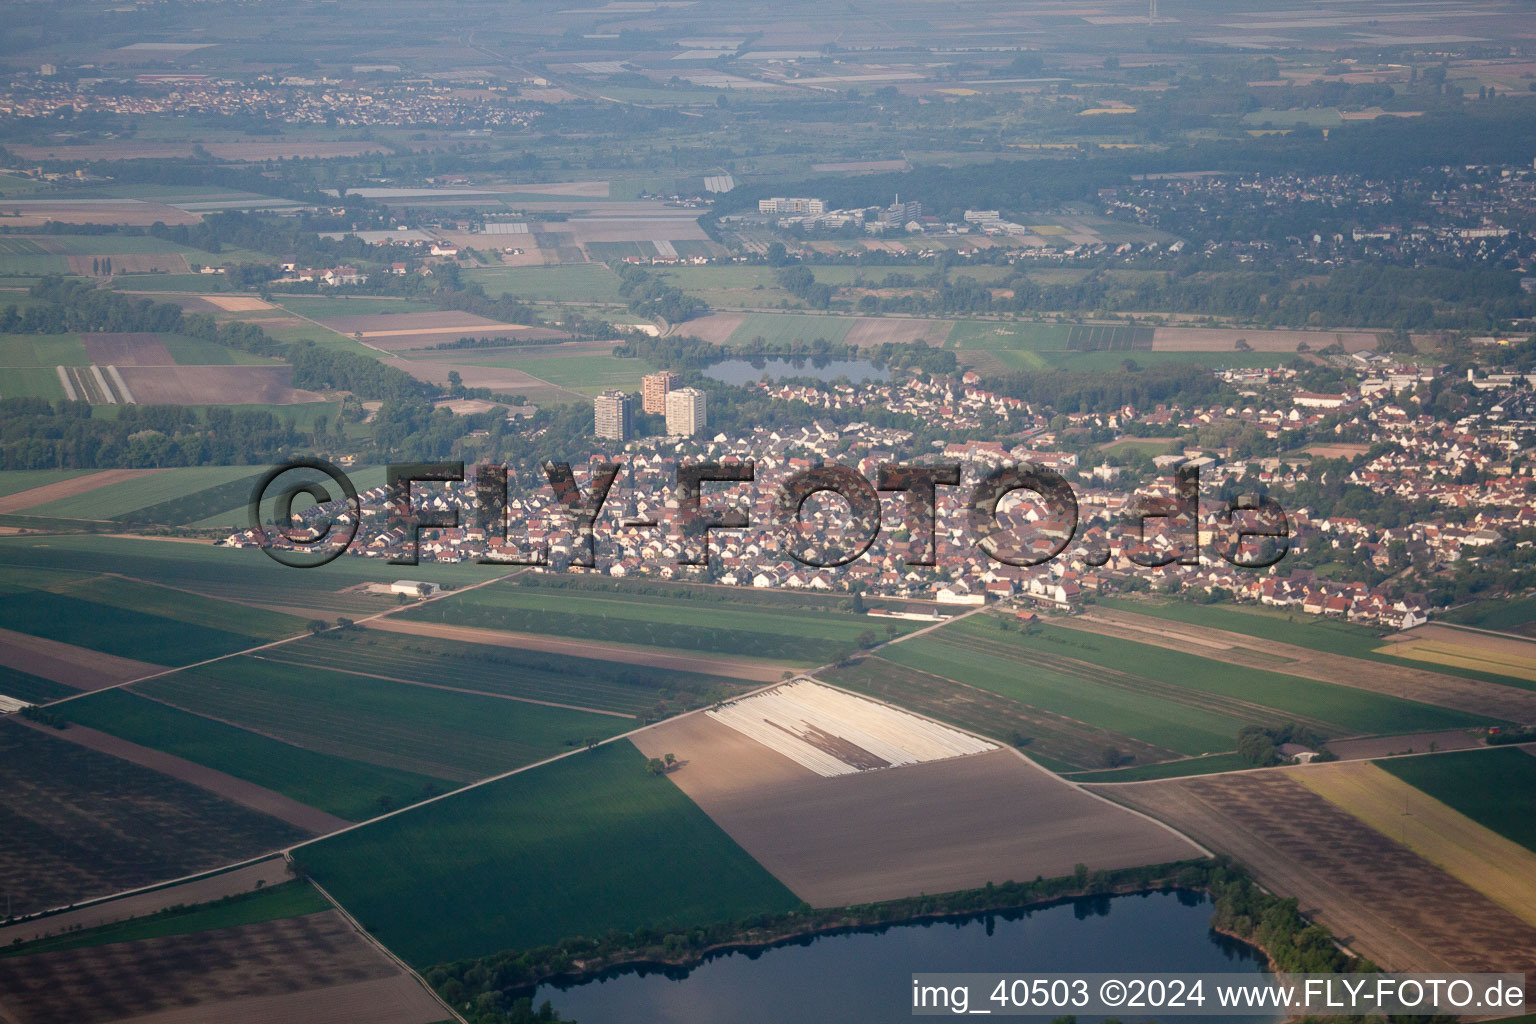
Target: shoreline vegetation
498 989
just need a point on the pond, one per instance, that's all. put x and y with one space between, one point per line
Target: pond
864 977
749 371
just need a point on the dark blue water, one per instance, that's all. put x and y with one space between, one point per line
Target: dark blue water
748 371
865 977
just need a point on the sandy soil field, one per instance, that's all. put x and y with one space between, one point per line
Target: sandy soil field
314 968
679 661
870 331
1499 868
1469 649
203 890
1204 339
716 328
877 835
215 385
832 732
1379 898
68 488
1417 742
133 263
1336 451
127 350
65 663
1470 695
247 794
237 303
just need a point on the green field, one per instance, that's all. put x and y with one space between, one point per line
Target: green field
321 307
1517 615
14 481
44 350
995 336
951 653
579 282
32 382
126 497
1295 627
578 847
588 374
228 505
1149 693
619 614
199 504
229 573
348 789
32 265
112 245
121 631
1166 770
784 328
1495 788
27 687
530 675
1355 712
424 730
197 352
290 899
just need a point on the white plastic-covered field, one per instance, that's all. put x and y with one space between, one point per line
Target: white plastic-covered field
835 733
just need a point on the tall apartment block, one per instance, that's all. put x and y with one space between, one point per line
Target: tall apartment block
686 415
654 388
613 416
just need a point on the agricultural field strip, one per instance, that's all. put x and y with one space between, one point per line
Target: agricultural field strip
41 495
749 669
1379 898
247 794
1275 634
432 666
1476 697
381 351
440 686
1506 655
1002 656
663 611
279 643
986 712
1190 694
457 737
804 721
1502 870
1186 730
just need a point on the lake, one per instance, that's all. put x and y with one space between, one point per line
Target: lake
864 977
748 371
